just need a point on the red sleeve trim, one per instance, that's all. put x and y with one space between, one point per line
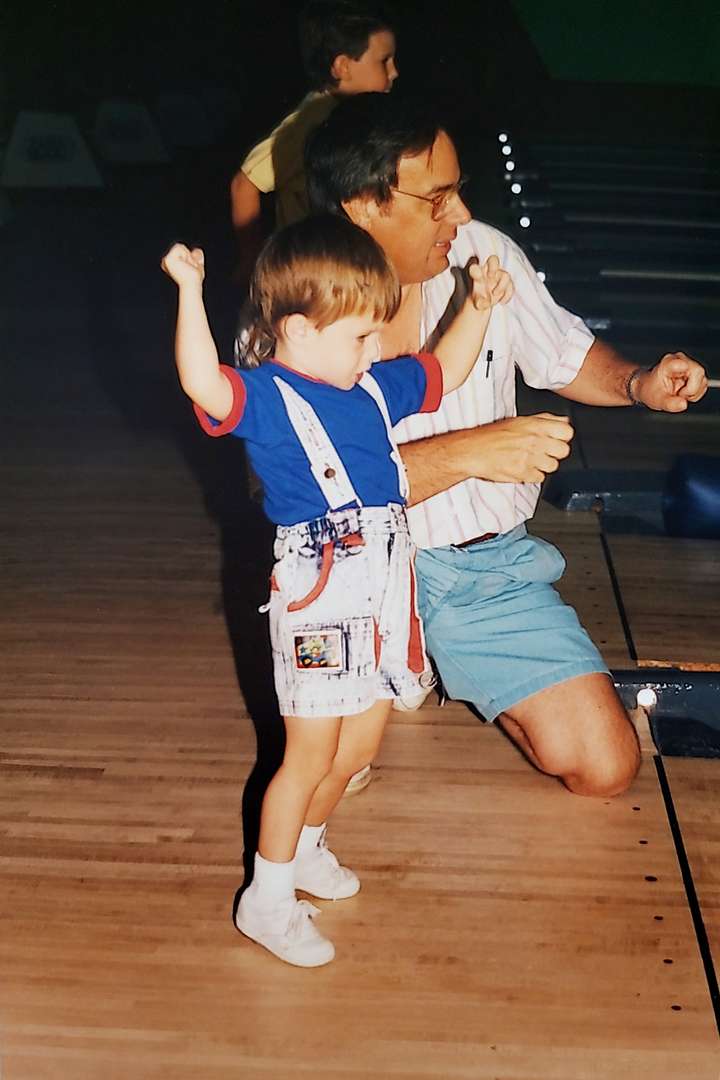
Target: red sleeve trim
231 421
434 382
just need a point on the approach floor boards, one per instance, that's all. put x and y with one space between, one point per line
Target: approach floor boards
671 594
504 928
695 787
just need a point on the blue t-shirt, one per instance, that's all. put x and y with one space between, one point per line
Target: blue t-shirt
351 418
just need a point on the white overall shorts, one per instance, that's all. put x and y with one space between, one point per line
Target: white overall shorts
343 612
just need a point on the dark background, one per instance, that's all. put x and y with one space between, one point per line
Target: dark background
67 56
493 65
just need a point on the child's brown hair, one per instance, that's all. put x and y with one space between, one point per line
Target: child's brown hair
330 28
325 268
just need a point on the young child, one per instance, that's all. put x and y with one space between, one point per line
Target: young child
348 47
317 418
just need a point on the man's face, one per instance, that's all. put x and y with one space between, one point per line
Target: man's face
417 243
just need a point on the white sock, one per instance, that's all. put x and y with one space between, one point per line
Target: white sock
309 839
273 882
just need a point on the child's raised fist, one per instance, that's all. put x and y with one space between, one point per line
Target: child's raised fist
185 267
490 284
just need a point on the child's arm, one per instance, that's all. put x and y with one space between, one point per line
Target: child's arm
458 348
195 352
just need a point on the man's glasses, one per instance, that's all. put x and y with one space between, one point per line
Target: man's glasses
441 202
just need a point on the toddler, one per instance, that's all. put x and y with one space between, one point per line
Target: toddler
317 418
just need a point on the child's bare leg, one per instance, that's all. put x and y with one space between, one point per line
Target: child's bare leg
310 750
317 870
360 737
268 911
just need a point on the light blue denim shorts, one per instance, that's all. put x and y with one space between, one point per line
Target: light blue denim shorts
495 627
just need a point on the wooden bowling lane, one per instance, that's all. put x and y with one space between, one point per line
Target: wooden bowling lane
504 928
670 591
694 784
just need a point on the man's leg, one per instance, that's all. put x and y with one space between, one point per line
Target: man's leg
578 731
498 632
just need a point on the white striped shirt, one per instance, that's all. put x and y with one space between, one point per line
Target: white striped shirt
533 333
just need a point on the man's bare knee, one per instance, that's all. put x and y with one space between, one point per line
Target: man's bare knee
604 778
579 732
584 768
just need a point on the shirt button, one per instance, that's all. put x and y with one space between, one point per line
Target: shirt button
329 474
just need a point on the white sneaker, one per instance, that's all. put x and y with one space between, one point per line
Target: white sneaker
286 930
319 873
410 704
358 781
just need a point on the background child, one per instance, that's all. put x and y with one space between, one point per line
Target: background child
317 419
348 47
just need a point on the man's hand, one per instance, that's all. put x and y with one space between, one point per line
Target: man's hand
490 284
185 267
518 450
672 384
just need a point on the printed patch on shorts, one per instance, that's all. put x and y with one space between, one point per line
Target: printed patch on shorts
319 650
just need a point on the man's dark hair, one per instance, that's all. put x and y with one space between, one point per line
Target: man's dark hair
331 28
356 152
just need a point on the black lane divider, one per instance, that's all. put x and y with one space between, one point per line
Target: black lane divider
690 893
618 596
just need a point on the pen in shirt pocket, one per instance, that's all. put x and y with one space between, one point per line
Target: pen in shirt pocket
488 362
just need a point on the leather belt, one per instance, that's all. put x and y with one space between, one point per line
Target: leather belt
476 540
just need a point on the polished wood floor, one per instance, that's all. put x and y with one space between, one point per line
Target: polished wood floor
505 930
